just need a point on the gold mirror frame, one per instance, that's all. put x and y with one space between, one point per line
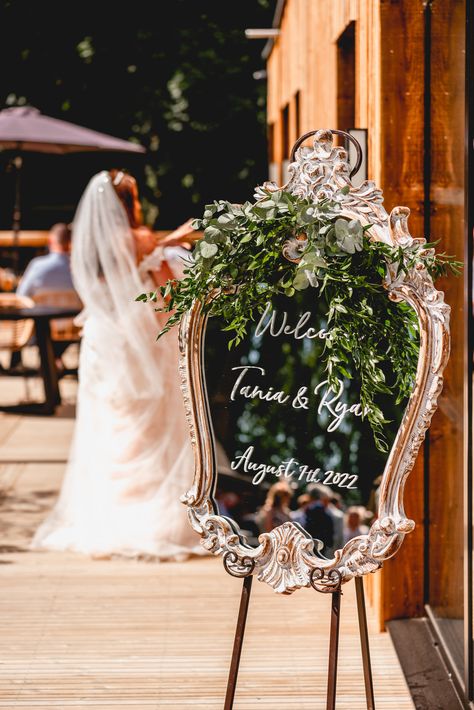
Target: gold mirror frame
285 558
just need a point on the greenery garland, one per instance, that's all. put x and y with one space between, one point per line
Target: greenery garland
242 246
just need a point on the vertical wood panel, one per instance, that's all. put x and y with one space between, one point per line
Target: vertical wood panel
401 177
447 215
402 101
373 93
361 67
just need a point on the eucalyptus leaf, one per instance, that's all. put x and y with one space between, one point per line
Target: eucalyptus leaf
313 260
301 281
208 250
211 232
348 235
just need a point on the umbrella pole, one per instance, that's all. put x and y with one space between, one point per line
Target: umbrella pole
18 163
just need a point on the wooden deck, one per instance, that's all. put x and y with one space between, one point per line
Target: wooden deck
82 633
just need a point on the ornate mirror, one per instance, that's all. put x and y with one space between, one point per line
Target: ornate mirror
281 442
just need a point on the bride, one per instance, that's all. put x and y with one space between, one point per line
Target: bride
131 457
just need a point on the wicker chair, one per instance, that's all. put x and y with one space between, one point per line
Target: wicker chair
14 335
62 329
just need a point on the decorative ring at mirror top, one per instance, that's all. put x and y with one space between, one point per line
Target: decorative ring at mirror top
286 557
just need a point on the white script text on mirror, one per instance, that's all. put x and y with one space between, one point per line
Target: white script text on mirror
291 469
329 400
275 329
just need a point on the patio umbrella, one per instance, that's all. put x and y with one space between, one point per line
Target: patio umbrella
25 128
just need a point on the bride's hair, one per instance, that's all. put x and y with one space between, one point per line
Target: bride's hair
126 189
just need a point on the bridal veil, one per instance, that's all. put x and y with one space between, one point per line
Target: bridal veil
130 458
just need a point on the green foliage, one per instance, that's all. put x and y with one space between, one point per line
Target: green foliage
240 263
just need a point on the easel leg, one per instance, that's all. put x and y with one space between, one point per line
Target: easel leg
333 649
364 642
239 637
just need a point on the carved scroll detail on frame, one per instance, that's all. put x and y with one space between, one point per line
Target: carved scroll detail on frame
286 558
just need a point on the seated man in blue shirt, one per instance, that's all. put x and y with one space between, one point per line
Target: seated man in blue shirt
51 272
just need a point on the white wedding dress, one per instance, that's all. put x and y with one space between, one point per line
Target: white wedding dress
131 457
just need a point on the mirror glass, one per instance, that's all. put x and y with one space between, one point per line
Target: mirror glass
287 447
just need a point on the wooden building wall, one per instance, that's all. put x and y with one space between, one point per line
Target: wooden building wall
304 78
303 63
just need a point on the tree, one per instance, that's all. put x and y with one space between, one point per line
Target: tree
177 76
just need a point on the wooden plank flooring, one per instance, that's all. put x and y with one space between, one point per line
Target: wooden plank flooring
106 634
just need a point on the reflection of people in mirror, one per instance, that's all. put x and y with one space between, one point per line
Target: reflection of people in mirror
276 509
353 523
299 515
318 522
226 502
374 496
335 510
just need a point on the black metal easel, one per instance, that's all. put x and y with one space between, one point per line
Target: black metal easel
245 570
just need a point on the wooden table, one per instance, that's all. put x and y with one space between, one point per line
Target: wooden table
41 315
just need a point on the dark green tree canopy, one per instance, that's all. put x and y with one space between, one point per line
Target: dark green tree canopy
177 76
